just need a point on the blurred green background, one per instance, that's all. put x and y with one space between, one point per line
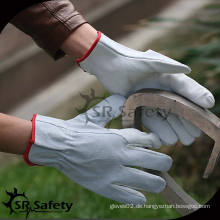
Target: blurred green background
195 42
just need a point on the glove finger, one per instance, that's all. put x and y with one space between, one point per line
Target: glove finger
136 156
161 127
179 129
124 194
189 88
163 64
121 194
141 180
192 129
138 138
105 111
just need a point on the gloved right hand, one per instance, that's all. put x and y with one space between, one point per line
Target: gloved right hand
97 158
123 71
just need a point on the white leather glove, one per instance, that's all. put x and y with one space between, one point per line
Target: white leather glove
123 71
97 158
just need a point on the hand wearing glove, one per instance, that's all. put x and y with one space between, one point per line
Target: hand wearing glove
97 158
124 71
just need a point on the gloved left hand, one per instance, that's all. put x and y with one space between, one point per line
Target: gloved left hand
123 71
97 158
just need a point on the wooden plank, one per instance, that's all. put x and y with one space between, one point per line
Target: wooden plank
172 103
177 197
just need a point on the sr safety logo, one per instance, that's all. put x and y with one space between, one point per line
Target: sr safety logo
20 203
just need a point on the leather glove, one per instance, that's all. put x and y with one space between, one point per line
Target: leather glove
123 71
97 158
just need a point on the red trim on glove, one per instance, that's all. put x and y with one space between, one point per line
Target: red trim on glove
78 61
31 141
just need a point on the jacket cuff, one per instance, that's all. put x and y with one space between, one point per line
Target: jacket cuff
49 23
78 61
31 141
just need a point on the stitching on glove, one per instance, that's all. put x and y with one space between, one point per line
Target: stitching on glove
130 187
137 147
123 189
131 147
79 132
126 141
131 57
31 141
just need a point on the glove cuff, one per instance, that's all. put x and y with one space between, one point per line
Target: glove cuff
78 61
31 141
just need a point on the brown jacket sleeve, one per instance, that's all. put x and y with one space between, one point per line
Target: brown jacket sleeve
49 24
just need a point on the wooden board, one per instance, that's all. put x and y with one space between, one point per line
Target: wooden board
172 103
